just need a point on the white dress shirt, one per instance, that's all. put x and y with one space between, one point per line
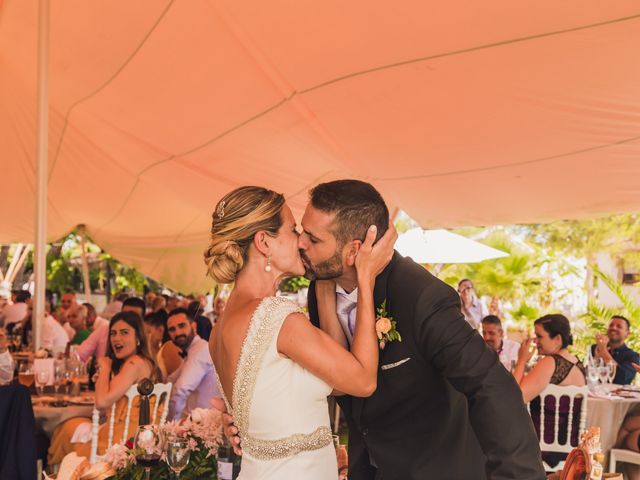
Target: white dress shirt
71 333
508 353
346 309
54 337
6 368
194 382
14 313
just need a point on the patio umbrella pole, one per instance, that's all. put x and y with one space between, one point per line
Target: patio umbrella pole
42 133
85 264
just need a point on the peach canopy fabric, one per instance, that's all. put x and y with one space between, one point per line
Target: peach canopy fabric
461 113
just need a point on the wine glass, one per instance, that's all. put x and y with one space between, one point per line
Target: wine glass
612 366
17 342
42 378
178 454
59 372
25 374
603 373
148 446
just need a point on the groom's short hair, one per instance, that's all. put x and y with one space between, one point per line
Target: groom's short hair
357 205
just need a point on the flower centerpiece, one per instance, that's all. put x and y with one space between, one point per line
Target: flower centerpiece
203 432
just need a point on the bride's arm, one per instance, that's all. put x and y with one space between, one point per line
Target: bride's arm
353 372
329 323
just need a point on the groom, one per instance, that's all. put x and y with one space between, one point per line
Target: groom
444 407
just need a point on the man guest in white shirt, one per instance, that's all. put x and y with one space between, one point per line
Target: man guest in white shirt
493 335
6 360
194 382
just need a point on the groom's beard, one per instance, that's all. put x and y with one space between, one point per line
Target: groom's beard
327 270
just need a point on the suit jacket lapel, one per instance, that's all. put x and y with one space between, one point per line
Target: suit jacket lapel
379 296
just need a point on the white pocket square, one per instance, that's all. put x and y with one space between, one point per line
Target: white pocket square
389 366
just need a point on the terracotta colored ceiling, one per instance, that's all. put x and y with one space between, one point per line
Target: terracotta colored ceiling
461 113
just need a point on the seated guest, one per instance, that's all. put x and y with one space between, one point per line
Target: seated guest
556 367
159 303
6 360
493 335
93 319
127 362
203 324
172 303
54 336
149 297
67 301
77 317
161 347
218 307
96 343
194 383
629 434
611 348
17 311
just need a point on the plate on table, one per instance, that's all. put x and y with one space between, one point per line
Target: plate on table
624 393
82 400
42 399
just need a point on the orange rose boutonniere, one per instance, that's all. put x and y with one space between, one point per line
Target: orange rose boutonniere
386 326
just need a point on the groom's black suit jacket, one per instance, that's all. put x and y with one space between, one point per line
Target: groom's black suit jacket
449 412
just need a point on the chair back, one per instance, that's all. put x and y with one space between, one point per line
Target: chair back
162 392
564 421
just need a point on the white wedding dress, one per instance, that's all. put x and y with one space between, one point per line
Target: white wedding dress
280 409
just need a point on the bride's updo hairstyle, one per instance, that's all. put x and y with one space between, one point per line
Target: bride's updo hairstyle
238 216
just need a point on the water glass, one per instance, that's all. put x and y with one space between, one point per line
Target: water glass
178 454
42 378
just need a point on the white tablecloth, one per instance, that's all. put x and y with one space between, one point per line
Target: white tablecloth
48 417
609 414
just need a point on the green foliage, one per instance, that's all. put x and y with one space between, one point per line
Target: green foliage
59 275
525 314
511 278
597 316
128 278
201 465
294 284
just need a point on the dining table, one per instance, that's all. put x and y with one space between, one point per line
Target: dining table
49 414
608 407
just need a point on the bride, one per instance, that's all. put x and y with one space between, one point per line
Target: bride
275 369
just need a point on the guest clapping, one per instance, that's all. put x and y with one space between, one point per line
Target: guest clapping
612 348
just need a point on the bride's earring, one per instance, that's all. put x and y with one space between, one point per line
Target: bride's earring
267 268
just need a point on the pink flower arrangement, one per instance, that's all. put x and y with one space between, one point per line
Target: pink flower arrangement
203 432
119 456
206 425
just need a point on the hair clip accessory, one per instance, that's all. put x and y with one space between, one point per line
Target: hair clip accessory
220 209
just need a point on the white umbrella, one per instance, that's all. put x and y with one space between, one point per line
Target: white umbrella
442 246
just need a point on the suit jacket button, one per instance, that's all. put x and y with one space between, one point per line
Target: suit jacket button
365 431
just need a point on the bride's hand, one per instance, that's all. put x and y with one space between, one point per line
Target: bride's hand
372 259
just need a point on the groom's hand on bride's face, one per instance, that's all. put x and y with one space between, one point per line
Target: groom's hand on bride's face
231 432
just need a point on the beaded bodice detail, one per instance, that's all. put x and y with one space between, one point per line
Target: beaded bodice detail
259 350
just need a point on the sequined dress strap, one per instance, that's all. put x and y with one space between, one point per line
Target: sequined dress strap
263 327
